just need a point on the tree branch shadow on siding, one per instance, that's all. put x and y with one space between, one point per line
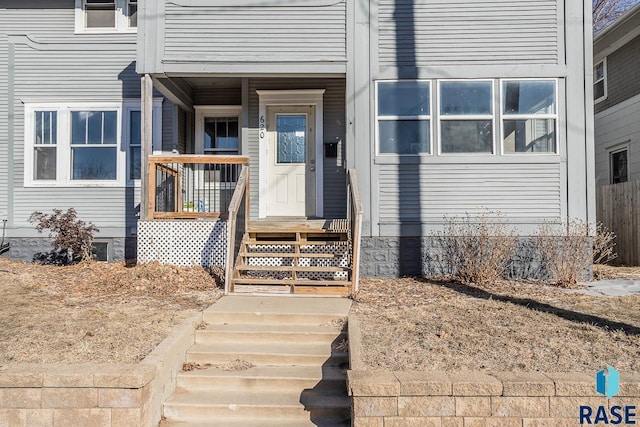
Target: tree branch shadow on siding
533 305
410 246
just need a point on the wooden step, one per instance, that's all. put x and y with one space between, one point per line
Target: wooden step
255 242
288 255
299 226
305 268
290 282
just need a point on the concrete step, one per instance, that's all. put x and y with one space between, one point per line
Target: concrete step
259 422
289 310
267 353
269 332
265 378
307 404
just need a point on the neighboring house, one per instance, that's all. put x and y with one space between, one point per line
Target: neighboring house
439 107
616 88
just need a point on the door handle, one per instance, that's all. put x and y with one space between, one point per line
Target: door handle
312 169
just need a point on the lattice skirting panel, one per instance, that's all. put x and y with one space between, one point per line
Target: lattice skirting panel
340 250
183 242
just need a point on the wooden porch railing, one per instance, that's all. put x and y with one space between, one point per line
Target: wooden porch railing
237 224
192 186
354 215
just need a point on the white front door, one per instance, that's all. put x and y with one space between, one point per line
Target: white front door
291 161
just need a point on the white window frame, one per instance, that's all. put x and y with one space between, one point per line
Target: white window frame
213 111
554 116
156 133
603 79
467 117
419 117
121 21
614 150
63 137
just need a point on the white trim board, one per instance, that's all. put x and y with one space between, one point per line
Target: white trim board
269 98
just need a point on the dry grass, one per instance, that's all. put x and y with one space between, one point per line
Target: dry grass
508 326
95 312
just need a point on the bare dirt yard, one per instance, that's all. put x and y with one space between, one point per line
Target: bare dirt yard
95 312
509 326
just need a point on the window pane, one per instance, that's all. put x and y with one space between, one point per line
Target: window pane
110 127
459 98
78 127
44 163
530 135
598 72
292 138
94 122
404 136
403 99
619 167
100 13
94 162
529 97
598 90
135 162
466 136
220 133
45 127
133 13
134 128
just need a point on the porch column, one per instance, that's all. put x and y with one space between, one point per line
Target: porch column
146 135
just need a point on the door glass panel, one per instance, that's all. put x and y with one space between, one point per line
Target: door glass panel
292 138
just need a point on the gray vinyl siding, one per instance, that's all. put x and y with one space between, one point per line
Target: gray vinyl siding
218 96
416 33
56 65
623 79
335 201
615 128
4 131
262 33
524 193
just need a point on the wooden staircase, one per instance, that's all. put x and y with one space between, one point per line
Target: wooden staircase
295 256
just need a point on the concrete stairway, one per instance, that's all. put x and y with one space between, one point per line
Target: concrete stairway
266 361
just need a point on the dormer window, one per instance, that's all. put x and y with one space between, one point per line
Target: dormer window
106 16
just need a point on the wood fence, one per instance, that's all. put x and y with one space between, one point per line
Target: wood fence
618 208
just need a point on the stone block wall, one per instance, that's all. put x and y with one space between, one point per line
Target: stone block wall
95 395
422 256
470 399
107 395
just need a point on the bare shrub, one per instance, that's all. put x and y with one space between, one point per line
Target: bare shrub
477 249
72 237
568 250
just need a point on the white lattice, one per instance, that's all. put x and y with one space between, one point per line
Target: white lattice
341 249
183 242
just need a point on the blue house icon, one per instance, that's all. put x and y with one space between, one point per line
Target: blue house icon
608 382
